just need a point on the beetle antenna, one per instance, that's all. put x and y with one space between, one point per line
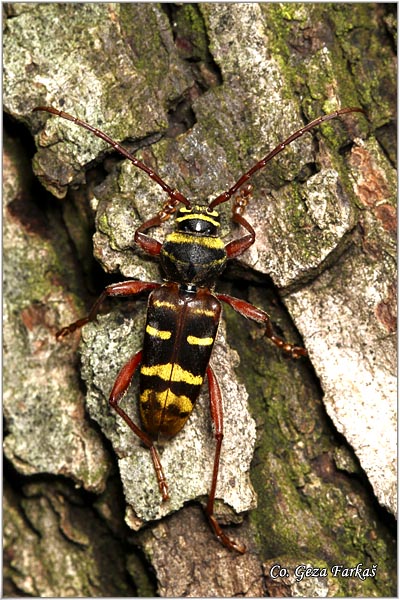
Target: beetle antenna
229 193
174 195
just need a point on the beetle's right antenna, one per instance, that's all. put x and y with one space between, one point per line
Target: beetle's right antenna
228 194
175 196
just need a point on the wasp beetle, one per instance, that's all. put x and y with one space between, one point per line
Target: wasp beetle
184 312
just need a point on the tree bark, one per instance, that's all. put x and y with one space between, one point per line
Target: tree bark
200 92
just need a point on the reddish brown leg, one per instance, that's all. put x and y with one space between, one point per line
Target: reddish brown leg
120 387
149 244
217 417
256 314
238 246
125 288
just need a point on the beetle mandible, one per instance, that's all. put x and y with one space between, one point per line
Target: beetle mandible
184 312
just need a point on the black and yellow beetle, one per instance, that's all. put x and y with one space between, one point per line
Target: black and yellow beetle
183 314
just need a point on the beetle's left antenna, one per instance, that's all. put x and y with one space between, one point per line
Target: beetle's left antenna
174 195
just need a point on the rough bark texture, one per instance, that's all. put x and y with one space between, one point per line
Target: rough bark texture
200 92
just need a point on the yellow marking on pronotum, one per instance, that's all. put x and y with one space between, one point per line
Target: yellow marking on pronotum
162 334
198 216
172 372
213 213
193 340
209 242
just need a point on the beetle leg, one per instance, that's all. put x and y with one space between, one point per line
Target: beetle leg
125 288
149 244
120 387
217 417
238 246
256 314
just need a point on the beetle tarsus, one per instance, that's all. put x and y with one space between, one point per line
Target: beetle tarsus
290 349
162 481
223 538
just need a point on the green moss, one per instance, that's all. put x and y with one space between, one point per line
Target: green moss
291 12
331 69
279 17
37 275
189 25
356 28
132 21
103 225
154 56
